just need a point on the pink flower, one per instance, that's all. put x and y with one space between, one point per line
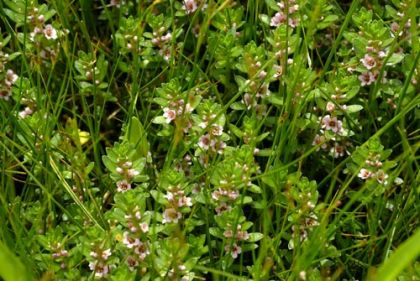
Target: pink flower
204 142
319 140
279 18
222 208
101 270
130 242
367 78
338 150
184 201
169 114
132 263
235 250
332 123
142 251
368 61
190 6
50 32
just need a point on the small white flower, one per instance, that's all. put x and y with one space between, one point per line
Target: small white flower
106 254
144 227
50 32
170 196
127 164
132 173
26 112
166 37
137 213
36 31
330 106
364 174
171 215
11 78
93 254
92 265
216 130
302 275
119 170
216 194
262 74
233 194
337 151
382 54
123 186
381 177
185 201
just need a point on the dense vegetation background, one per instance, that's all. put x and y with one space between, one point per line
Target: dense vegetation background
209 140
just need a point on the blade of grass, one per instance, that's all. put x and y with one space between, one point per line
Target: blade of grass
401 258
11 268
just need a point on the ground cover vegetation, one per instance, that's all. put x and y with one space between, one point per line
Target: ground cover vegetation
209 140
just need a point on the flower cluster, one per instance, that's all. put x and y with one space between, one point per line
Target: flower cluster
300 231
98 263
373 169
234 237
332 133
6 85
59 254
176 201
138 250
174 109
372 62
286 14
304 197
209 130
125 169
162 39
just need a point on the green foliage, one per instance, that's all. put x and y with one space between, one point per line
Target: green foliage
209 140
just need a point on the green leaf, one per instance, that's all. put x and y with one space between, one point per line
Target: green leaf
255 188
354 108
159 120
394 59
11 268
136 135
255 236
236 131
